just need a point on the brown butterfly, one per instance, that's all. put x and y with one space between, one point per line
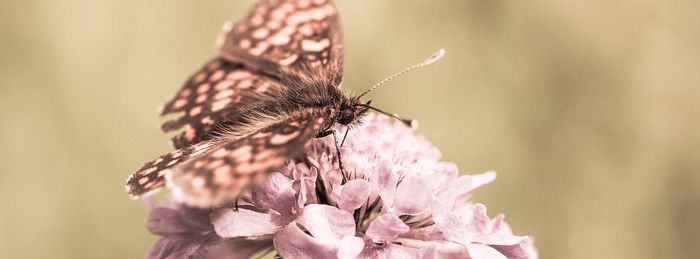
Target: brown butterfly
275 85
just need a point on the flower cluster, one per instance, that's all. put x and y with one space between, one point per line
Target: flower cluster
396 200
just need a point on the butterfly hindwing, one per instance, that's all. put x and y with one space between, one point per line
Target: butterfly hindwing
151 176
209 95
286 37
223 173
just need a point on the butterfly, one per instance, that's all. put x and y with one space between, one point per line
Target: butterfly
275 85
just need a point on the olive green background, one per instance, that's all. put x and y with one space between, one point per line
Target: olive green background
589 111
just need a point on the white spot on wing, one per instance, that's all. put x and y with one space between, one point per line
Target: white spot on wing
288 60
278 139
315 46
173 162
219 105
260 33
279 39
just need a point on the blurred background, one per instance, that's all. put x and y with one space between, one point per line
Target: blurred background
589 111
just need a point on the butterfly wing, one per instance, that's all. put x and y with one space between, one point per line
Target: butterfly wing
220 175
151 176
210 95
288 37
216 171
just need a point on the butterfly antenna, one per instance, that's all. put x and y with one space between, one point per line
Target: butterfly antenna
435 57
408 122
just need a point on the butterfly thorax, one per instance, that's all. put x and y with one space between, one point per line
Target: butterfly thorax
283 102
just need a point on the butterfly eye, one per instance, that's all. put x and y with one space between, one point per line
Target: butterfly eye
347 116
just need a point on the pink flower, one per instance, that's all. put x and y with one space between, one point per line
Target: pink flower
399 201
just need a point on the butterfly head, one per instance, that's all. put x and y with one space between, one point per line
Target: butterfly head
351 110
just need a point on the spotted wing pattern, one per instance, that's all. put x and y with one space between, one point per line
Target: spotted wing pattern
223 173
284 36
151 176
208 96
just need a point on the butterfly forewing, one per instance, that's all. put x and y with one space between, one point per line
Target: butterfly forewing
288 37
229 169
210 95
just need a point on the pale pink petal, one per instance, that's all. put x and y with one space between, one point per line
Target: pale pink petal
354 193
244 223
350 247
523 250
425 233
275 193
387 180
501 239
305 187
391 251
467 183
234 248
451 250
316 234
477 251
293 242
181 220
174 247
385 228
458 226
443 177
412 195
327 223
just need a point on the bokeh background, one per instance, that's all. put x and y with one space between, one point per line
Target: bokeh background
589 111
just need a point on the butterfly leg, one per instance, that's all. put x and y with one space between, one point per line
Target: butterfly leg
337 150
324 133
340 159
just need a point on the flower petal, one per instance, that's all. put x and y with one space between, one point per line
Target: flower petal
176 247
387 179
424 233
350 247
293 242
327 223
235 248
502 239
318 233
385 228
523 250
354 193
412 195
458 226
164 221
244 223
467 183
276 193
451 250
305 187
390 251
477 251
